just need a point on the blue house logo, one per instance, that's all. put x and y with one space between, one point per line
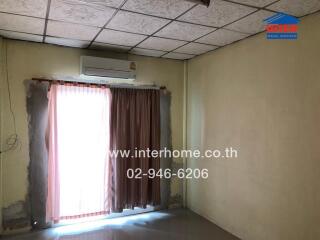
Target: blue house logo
282 26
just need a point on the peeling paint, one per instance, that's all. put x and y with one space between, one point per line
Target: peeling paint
176 201
15 216
37 109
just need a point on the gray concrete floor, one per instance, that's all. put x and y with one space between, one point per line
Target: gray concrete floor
178 224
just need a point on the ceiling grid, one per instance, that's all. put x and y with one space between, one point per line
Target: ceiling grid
159 28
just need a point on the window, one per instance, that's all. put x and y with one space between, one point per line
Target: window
82 127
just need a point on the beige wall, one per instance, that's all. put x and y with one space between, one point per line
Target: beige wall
262 97
27 60
1 86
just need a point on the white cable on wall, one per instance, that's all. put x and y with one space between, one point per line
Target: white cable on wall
12 141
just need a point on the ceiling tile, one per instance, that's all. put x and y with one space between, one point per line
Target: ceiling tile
71 30
218 14
161 44
195 48
297 8
251 24
255 3
21 36
120 38
34 8
136 23
67 42
79 12
222 37
183 31
21 23
178 56
110 47
147 52
108 3
162 8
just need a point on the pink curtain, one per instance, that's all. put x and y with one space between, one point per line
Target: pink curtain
53 169
78 143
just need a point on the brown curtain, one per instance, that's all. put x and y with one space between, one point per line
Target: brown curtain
135 125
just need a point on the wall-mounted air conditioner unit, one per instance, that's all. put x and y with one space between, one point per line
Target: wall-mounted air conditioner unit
107 68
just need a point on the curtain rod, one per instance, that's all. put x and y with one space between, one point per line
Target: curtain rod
124 85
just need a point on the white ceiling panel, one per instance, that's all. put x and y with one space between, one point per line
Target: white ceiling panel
21 23
136 23
251 24
222 37
71 31
67 42
297 8
108 3
109 47
218 14
161 44
21 36
178 56
195 48
119 38
147 52
255 3
34 8
86 14
183 31
162 8
144 25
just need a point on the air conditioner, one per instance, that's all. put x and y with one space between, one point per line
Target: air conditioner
107 68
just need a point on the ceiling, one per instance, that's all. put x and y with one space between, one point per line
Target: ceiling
160 28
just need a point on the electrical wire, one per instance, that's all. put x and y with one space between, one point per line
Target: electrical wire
12 142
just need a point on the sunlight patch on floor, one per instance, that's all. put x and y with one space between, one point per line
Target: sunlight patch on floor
98 224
